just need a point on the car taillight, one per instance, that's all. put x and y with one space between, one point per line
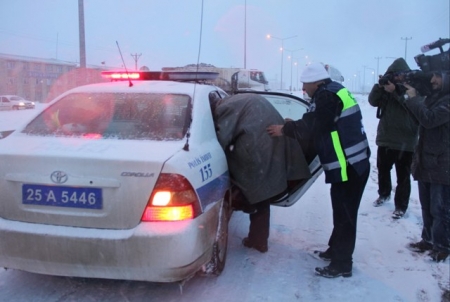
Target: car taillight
92 135
172 199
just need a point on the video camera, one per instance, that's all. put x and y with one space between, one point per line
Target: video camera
439 62
416 78
420 79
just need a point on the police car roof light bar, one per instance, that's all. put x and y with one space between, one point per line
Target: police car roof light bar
179 76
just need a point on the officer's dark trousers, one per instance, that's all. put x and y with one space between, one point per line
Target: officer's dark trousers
345 200
386 158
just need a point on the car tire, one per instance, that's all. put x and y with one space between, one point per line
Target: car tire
15 108
216 265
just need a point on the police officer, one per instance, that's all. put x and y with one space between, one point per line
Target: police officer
334 123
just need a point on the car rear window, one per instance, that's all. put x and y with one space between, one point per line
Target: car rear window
136 116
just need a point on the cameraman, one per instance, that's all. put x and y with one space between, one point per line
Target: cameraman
396 137
431 165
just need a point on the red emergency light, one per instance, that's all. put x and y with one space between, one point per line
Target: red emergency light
121 75
181 76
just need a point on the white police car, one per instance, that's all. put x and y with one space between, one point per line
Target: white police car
122 180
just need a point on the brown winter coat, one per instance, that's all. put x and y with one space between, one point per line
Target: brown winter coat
260 165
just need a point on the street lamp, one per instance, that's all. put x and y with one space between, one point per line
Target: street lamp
282 49
364 77
307 60
296 65
290 57
351 82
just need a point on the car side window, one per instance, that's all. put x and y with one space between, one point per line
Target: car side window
214 97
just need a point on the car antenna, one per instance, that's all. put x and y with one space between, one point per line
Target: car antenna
188 134
129 80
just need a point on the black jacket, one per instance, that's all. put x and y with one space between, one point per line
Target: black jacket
323 122
431 161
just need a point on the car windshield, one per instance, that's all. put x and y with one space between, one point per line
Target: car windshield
136 116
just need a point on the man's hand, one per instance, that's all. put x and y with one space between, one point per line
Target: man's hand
390 87
275 130
410 91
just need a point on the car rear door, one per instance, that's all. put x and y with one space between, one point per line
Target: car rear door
293 107
4 104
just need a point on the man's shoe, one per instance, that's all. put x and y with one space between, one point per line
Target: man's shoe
331 272
438 256
380 200
398 214
326 256
259 247
420 247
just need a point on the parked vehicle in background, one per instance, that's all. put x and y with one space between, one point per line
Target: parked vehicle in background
229 79
14 102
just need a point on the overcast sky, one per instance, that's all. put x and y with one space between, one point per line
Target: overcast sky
348 34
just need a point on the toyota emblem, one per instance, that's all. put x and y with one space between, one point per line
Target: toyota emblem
59 177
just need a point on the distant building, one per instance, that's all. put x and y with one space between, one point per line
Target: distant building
39 80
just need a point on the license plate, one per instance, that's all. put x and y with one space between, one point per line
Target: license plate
74 197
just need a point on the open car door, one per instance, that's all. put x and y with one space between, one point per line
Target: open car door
293 107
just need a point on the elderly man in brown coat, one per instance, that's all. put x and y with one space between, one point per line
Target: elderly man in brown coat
259 165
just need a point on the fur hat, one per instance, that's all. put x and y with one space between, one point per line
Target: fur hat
313 73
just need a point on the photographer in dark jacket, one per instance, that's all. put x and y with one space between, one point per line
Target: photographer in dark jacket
431 165
396 137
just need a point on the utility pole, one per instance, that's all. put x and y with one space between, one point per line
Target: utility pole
82 37
282 54
359 80
57 46
136 58
378 64
245 35
291 58
406 44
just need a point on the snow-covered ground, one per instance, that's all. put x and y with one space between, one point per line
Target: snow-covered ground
384 269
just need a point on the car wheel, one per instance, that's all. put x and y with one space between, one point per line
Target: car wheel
15 108
219 254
